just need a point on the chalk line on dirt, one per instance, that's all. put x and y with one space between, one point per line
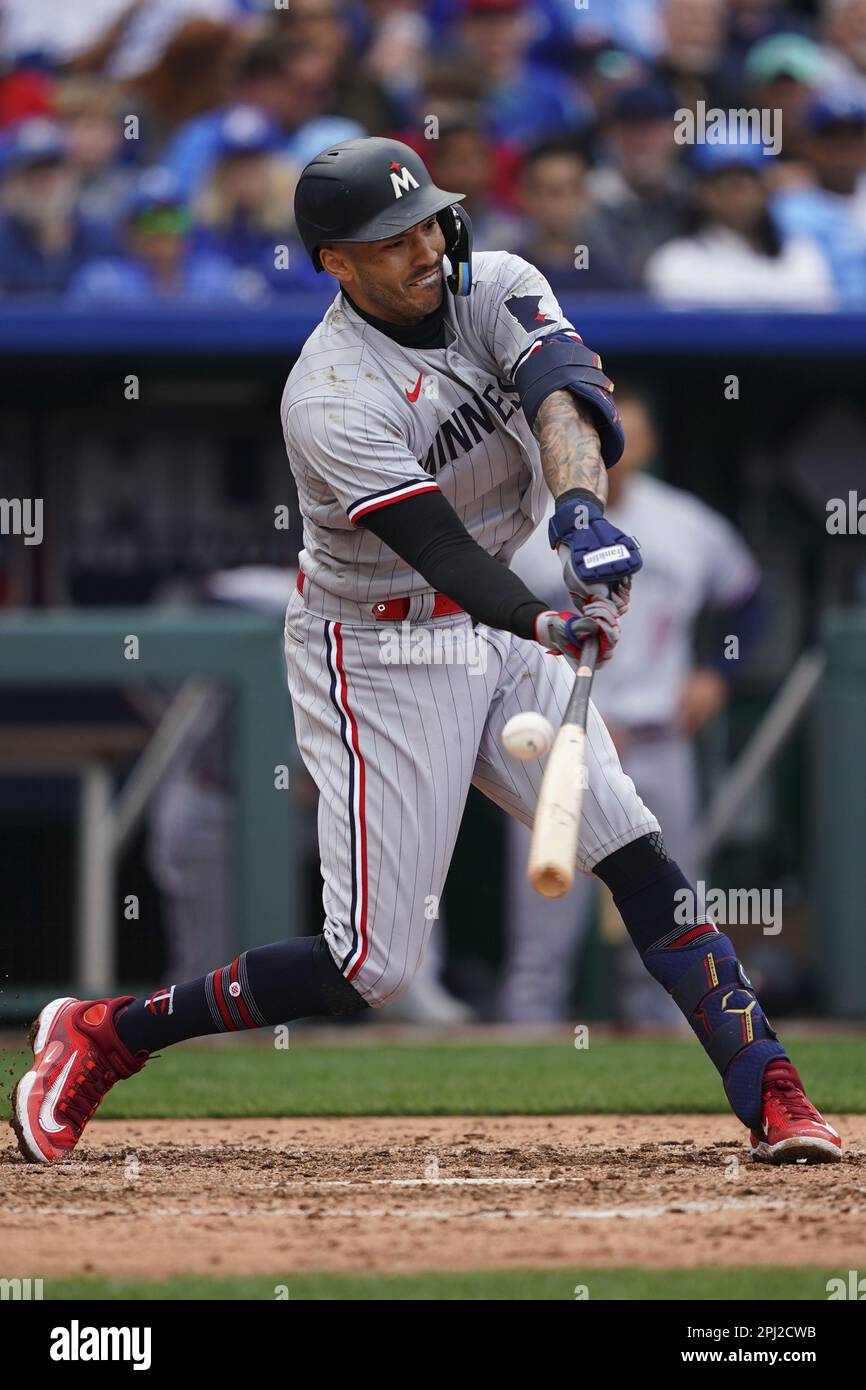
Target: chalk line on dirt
434 1213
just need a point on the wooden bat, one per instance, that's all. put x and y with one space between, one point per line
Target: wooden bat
553 852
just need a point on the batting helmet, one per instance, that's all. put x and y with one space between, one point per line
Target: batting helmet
372 189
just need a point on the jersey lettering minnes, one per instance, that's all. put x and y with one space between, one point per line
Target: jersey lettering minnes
368 422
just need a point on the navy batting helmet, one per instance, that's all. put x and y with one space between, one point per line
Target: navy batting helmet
372 189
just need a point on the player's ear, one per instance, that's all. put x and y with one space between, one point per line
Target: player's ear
336 262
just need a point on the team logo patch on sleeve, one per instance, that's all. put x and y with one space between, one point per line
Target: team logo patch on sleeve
525 308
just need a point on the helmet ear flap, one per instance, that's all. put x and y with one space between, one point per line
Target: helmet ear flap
457 229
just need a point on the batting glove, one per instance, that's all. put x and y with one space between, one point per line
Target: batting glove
566 632
591 550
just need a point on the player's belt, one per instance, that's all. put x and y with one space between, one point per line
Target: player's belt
395 610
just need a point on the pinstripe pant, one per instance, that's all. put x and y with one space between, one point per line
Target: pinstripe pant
394 746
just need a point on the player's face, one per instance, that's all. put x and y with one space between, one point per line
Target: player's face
400 280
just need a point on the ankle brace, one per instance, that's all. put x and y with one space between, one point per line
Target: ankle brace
699 968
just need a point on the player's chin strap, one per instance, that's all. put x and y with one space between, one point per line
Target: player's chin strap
456 225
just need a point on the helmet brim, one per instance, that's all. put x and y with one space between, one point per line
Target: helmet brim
405 214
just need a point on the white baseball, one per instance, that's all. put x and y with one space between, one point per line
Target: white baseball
527 736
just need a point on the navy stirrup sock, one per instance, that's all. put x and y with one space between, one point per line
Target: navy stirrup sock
296 978
698 966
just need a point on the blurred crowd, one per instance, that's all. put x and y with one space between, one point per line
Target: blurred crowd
149 148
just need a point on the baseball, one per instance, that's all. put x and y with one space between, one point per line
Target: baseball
527 736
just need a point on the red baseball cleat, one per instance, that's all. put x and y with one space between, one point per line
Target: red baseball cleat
77 1058
792 1130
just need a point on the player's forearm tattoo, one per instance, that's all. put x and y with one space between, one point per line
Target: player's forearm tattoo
570 446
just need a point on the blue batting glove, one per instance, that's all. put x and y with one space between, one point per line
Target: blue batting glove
593 552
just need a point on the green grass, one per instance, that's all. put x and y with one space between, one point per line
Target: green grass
497 1078
514 1284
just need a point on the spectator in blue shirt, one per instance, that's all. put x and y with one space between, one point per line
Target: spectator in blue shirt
244 211
44 240
524 102
291 84
633 26
158 262
91 111
831 206
842 30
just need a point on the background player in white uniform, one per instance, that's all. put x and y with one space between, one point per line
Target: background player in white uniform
413 501
653 699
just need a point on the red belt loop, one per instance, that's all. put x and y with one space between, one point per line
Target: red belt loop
300 583
443 605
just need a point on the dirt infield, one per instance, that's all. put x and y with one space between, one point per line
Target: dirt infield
156 1197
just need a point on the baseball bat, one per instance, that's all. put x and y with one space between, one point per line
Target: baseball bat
553 852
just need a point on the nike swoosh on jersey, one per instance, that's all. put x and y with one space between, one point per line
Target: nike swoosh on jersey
46 1109
414 393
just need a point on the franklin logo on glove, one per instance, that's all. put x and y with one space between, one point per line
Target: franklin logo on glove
606 556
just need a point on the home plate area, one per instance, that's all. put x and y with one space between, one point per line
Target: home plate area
148 1199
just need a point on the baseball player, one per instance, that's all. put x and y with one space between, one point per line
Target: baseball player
440 398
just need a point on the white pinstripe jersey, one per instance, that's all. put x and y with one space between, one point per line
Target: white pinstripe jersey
368 422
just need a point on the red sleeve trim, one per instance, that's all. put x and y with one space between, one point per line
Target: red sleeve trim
367 505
